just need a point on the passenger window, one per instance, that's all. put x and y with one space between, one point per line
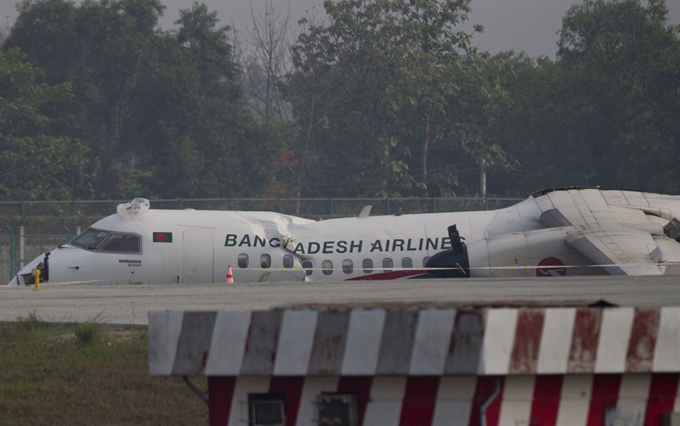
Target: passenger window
367 264
288 261
242 260
406 263
308 266
327 267
120 243
425 260
347 266
388 264
265 261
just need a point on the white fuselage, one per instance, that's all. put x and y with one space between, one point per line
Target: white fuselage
205 243
188 246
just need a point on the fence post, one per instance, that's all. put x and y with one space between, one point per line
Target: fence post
22 244
12 254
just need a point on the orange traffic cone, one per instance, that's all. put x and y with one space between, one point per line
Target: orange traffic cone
230 275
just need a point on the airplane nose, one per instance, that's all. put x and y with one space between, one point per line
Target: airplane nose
25 275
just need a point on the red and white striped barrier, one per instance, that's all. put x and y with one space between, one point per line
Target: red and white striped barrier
415 342
433 366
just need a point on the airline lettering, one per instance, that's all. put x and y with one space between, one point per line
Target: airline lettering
342 246
133 263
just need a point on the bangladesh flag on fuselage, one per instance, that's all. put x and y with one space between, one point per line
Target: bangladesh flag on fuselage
162 237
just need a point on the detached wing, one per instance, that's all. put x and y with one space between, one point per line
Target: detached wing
617 237
618 251
587 208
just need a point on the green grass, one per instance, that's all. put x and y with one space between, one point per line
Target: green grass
87 374
89 332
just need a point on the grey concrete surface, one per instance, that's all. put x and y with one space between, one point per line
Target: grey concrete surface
130 304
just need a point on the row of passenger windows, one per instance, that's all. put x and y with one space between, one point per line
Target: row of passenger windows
327 265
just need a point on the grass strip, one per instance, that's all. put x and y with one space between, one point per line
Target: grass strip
87 374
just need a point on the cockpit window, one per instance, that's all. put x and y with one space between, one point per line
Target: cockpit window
120 243
90 239
104 241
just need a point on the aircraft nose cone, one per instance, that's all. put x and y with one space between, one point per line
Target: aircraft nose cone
26 270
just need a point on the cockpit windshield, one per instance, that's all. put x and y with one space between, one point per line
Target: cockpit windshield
90 239
105 241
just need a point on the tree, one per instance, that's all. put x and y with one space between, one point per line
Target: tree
162 111
264 55
624 62
98 48
191 116
401 97
602 113
34 164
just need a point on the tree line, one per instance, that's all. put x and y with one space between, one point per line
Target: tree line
379 98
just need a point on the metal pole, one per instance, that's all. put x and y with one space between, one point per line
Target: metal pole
195 390
482 178
482 182
12 254
22 244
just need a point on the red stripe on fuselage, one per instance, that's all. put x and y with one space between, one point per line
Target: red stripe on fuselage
392 275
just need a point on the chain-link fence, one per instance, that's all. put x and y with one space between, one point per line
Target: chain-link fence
33 227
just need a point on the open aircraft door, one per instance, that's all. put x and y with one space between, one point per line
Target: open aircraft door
199 255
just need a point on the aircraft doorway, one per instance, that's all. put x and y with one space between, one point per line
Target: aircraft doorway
198 256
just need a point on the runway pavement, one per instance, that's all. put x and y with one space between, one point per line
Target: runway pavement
130 304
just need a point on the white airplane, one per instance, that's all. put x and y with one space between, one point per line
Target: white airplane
555 232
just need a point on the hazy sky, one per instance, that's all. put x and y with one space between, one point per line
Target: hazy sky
520 25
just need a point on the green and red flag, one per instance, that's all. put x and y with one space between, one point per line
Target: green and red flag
162 237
